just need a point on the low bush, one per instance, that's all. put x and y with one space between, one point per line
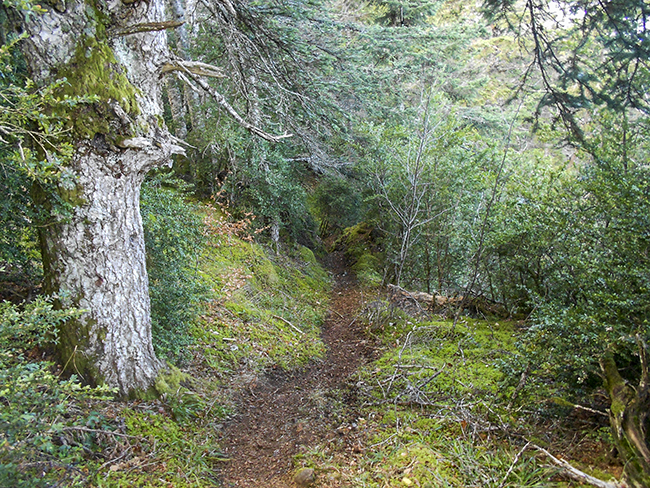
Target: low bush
174 237
46 422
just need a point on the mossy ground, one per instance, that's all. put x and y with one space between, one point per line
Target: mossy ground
430 410
433 412
267 309
169 452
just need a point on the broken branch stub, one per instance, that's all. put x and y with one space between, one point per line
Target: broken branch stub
144 27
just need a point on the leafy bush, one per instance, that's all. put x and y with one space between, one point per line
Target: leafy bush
581 252
29 119
269 185
40 439
336 204
174 237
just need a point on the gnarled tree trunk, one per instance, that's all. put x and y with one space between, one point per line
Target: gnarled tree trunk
629 419
95 257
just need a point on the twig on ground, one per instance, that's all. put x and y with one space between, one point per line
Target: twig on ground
99 431
431 378
514 463
340 316
520 386
383 442
288 323
112 461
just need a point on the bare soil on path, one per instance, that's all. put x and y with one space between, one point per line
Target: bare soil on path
284 413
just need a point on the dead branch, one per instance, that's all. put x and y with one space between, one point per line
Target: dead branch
194 67
520 386
288 323
576 474
221 100
431 378
113 461
144 27
591 410
99 431
514 463
335 312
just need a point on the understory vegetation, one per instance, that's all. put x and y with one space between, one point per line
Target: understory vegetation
236 307
435 409
488 162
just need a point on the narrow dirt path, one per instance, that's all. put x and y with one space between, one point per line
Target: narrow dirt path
285 413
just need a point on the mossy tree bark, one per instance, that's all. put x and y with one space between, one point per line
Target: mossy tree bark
95 257
628 417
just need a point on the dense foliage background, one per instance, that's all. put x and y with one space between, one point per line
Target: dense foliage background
496 154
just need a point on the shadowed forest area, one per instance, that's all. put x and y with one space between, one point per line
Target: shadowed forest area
328 243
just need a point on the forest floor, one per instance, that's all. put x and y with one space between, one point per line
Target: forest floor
282 414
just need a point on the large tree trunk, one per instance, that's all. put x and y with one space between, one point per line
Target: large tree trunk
96 261
95 257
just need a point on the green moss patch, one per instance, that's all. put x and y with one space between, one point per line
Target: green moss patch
430 413
429 360
267 309
94 76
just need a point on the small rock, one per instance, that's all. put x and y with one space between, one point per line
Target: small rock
304 477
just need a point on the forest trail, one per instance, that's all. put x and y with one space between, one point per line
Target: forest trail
284 413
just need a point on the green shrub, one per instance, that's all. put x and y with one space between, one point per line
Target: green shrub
174 237
336 204
40 439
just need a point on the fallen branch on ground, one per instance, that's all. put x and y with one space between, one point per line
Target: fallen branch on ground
98 431
576 474
288 323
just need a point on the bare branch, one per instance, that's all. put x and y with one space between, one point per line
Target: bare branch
576 474
514 462
221 100
194 67
99 431
144 27
288 323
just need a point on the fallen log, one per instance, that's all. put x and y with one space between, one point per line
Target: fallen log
419 303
